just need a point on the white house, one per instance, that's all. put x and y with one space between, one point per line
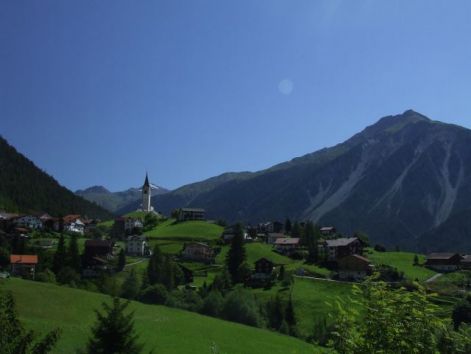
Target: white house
29 221
137 246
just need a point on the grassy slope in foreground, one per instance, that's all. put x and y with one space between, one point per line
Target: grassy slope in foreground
45 306
403 261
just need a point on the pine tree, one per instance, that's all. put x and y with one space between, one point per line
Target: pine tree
121 260
154 267
130 288
288 226
311 235
236 255
168 273
296 230
60 257
290 317
73 256
416 260
281 274
114 331
14 338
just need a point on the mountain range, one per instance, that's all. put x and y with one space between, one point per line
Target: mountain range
114 201
24 188
405 181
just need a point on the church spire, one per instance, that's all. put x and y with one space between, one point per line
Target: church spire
146 182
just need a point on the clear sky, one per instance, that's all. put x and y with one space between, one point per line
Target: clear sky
98 92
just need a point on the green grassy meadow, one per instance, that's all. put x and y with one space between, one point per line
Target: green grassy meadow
43 307
188 230
403 261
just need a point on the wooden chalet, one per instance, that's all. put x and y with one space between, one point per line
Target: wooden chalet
443 262
23 265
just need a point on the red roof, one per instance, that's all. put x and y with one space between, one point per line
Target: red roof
70 218
23 259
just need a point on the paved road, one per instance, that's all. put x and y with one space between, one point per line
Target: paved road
435 277
136 262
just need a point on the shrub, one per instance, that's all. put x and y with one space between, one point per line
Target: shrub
213 304
47 276
241 306
155 294
380 248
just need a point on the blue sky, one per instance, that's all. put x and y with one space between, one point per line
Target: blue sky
97 92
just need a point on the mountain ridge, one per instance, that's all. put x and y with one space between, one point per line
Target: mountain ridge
397 179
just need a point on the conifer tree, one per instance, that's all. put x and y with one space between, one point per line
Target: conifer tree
154 267
73 255
13 336
130 288
236 255
416 260
296 230
114 331
288 226
60 257
281 274
290 317
312 237
121 260
168 273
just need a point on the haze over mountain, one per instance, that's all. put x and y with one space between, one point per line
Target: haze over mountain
398 180
26 188
113 201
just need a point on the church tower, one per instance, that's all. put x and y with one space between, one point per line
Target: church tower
146 194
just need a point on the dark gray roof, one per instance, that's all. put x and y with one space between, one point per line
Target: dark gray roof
441 255
198 210
339 242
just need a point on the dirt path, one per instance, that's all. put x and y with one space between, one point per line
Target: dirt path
433 278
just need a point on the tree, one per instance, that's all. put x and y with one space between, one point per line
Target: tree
311 235
288 226
236 255
222 281
416 260
168 273
150 221
393 321
121 260
296 230
281 274
462 312
73 255
130 287
155 294
154 267
241 306
290 317
114 331
213 304
14 339
60 257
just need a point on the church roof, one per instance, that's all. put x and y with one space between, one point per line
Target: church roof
146 182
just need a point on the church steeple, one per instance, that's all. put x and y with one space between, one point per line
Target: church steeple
146 195
146 182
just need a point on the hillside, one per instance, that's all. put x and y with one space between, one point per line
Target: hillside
396 180
166 330
113 201
26 188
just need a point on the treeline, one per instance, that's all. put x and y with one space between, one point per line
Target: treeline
25 188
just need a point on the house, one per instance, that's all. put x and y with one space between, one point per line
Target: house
48 221
90 226
354 267
333 250
273 236
128 225
199 252
271 227
263 273
287 245
328 231
29 221
466 262
229 233
7 221
443 262
23 265
137 246
96 257
71 223
186 214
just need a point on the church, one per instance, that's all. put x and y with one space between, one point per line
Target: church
146 196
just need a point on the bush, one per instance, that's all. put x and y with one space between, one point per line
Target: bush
213 304
380 248
68 276
241 306
155 294
47 276
185 299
